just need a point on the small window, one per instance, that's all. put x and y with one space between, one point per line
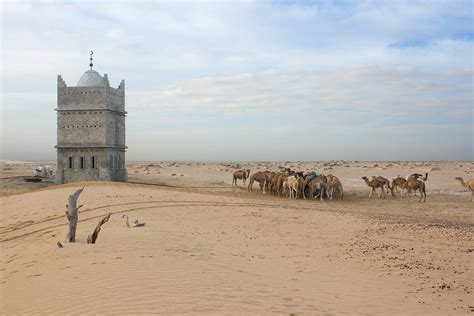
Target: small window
81 162
93 162
111 162
71 162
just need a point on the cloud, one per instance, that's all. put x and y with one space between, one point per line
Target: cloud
271 110
338 71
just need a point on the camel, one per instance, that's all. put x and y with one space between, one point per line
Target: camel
261 177
292 183
386 183
415 176
399 182
274 182
318 184
469 184
301 184
279 185
375 183
335 185
270 176
240 174
307 177
417 185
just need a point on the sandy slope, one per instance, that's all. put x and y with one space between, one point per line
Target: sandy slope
210 248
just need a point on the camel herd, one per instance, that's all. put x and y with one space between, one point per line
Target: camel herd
293 184
414 182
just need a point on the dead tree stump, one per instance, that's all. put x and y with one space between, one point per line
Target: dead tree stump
92 238
71 214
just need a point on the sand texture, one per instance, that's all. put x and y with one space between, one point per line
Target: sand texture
210 248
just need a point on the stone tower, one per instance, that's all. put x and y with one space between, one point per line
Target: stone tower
91 130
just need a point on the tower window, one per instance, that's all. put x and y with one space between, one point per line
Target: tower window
81 162
93 162
71 162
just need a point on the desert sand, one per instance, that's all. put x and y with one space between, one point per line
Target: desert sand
211 248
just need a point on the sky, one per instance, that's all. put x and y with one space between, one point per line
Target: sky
249 80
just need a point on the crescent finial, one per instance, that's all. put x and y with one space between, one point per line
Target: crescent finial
91 64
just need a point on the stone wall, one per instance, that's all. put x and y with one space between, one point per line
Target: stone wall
91 123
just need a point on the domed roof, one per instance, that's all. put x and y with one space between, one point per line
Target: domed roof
90 78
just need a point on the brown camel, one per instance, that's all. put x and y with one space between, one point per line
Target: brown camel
240 174
279 187
335 185
319 185
307 179
417 185
274 182
375 183
386 183
399 182
261 177
415 176
270 176
469 184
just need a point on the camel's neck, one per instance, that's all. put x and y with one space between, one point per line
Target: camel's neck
464 184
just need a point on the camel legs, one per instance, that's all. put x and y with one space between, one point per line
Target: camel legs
382 192
422 194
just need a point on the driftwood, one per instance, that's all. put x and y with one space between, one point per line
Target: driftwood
126 220
135 223
71 214
92 238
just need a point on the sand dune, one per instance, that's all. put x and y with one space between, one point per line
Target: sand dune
210 248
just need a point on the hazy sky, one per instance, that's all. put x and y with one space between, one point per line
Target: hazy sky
245 80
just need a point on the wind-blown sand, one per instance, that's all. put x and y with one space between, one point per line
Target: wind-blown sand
210 248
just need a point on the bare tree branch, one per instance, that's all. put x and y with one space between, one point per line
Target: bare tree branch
92 238
71 214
